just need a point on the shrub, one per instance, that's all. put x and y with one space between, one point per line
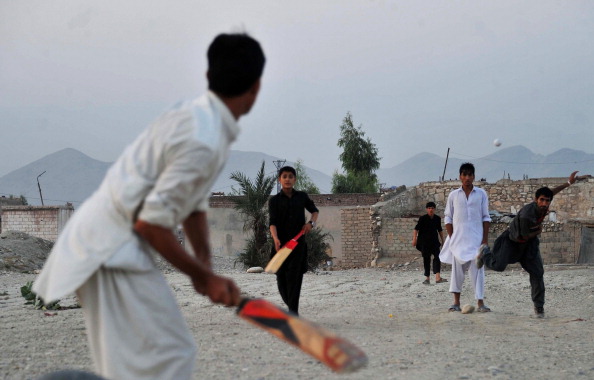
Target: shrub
317 246
33 299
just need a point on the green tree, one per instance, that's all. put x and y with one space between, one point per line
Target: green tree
251 201
359 160
354 183
304 183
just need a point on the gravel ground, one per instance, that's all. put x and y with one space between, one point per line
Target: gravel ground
402 325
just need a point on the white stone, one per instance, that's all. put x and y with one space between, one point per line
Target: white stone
255 270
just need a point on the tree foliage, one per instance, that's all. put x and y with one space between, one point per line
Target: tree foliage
359 154
351 183
251 203
359 160
304 182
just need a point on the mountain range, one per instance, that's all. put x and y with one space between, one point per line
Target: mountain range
71 176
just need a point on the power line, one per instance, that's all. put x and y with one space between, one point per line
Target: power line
522 163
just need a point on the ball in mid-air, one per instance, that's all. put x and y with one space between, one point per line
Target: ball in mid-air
497 142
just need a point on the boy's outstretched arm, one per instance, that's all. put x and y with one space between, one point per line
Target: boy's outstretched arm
206 282
570 181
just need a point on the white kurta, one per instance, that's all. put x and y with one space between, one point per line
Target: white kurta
163 176
134 327
466 216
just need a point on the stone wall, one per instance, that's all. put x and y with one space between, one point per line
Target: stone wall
393 219
559 242
45 222
505 196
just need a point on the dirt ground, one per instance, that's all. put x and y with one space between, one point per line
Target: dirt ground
402 325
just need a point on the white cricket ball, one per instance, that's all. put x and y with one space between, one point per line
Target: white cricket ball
496 142
467 309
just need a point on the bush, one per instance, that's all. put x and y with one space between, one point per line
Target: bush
33 299
317 247
251 256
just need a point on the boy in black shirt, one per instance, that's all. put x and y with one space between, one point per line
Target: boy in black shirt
426 240
287 219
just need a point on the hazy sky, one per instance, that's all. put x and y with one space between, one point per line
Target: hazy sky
417 75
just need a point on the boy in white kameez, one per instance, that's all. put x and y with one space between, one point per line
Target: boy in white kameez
164 178
467 223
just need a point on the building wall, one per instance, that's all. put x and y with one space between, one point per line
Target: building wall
356 238
505 196
226 225
393 220
559 242
45 222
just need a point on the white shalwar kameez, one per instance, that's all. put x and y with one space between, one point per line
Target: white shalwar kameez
134 326
466 216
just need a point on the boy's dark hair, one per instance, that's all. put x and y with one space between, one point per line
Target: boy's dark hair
544 191
467 167
430 204
287 169
235 63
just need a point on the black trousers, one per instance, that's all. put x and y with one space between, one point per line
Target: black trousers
506 251
427 252
289 287
289 277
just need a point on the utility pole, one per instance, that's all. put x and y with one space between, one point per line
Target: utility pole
278 164
446 165
39 187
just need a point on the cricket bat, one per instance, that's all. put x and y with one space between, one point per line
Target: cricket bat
281 255
330 349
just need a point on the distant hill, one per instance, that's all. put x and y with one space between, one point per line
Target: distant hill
72 176
515 162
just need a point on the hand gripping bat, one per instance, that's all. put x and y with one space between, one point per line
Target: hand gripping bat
281 255
330 349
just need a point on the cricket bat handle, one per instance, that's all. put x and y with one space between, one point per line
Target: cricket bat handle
293 242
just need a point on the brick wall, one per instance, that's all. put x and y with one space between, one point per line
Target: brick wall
395 240
45 222
559 242
356 237
321 200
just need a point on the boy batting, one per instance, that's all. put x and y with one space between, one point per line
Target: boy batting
134 326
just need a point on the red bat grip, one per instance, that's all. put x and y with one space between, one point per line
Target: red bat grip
293 242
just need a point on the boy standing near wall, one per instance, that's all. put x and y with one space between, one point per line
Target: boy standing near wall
427 238
520 243
287 219
164 178
467 223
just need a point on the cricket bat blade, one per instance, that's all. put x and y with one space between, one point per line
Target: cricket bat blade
335 352
281 255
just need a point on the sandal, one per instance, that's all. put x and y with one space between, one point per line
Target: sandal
483 309
426 282
455 308
441 280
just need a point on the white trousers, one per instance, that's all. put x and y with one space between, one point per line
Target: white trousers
477 276
134 326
